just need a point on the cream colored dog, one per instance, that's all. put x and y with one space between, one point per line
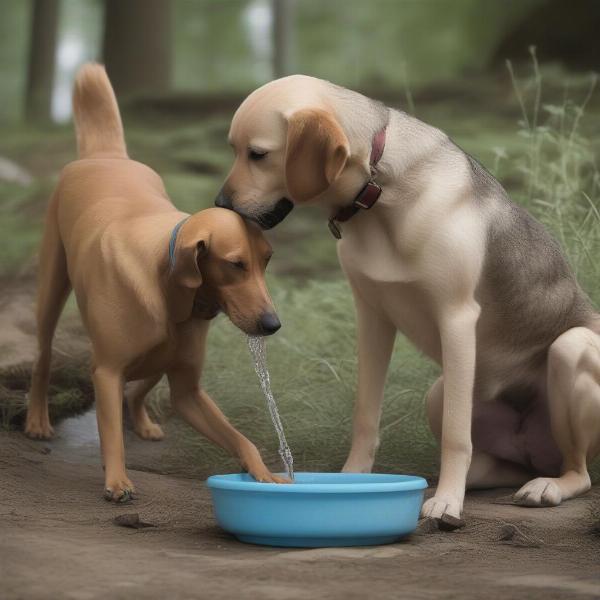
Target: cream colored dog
148 279
445 257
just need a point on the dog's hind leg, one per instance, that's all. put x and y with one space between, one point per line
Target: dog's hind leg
135 395
574 403
487 471
53 290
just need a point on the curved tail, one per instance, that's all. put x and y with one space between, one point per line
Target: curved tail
97 118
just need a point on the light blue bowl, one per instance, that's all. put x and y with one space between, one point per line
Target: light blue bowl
318 509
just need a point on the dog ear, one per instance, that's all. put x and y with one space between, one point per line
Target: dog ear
185 278
316 153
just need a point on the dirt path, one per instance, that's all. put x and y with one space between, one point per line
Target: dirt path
58 540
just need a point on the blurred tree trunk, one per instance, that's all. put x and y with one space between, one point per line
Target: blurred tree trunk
137 45
283 37
42 51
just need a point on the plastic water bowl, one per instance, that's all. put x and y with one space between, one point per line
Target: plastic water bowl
318 509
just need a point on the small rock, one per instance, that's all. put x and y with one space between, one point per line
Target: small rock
131 520
427 525
512 534
446 523
46 450
450 523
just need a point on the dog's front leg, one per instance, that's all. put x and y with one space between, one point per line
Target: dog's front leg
108 388
201 412
457 333
376 336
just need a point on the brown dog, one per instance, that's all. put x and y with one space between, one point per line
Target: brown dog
148 279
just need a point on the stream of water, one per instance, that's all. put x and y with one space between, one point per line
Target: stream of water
258 349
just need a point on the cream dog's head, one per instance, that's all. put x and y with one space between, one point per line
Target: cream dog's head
294 142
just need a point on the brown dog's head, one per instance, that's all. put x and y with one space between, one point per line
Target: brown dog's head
289 149
219 263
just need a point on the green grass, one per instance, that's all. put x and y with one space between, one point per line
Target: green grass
70 393
560 176
313 372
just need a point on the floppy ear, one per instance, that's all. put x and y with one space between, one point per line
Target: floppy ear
316 153
184 277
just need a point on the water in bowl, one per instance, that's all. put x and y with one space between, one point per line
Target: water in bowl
258 348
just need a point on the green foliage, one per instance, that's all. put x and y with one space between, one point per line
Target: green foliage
13 56
560 181
434 40
220 46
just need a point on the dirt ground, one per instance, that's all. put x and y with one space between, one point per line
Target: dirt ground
58 540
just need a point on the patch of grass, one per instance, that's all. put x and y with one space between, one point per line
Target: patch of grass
559 175
313 372
70 393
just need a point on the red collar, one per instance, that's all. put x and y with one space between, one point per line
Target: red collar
370 192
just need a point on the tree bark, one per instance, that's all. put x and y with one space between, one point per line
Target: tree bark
283 37
137 45
42 52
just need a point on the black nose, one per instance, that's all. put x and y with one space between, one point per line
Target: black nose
223 201
269 324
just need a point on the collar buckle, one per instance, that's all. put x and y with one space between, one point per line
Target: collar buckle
367 197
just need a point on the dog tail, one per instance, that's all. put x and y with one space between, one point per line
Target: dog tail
97 119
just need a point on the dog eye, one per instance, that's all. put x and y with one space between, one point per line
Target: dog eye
238 264
254 155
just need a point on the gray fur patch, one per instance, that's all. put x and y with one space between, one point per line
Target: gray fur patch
528 292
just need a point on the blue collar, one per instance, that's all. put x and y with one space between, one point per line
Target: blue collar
173 241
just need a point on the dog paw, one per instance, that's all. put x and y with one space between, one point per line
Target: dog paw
260 472
252 462
119 490
440 506
265 476
543 491
150 431
38 429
